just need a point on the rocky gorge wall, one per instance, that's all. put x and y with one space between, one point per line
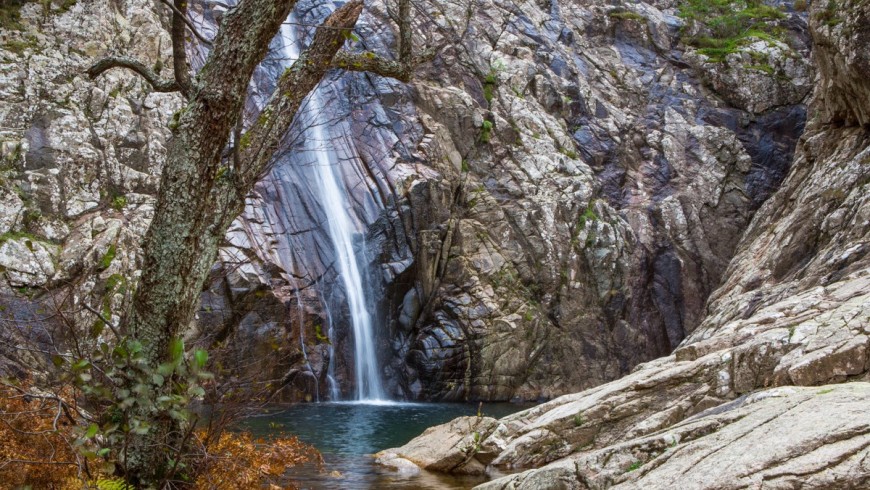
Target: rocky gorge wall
768 391
548 204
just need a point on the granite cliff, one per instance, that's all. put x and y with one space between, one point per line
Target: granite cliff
767 391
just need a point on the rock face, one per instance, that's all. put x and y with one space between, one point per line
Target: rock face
793 311
779 438
597 181
548 204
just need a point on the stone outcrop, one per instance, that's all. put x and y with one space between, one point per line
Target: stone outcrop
793 311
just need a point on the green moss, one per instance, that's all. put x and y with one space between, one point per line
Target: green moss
634 466
626 15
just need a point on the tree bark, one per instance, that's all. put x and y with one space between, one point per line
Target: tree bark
200 193
199 197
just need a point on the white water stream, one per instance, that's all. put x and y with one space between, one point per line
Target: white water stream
334 199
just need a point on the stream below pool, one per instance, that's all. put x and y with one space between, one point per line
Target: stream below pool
348 433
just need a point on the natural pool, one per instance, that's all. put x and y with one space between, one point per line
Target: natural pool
349 433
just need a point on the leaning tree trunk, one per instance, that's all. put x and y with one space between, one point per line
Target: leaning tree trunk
200 193
200 196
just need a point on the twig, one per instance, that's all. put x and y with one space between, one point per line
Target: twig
101 317
186 21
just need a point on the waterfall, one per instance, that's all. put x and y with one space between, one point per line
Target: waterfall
335 203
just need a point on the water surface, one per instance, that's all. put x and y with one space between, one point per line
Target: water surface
347 434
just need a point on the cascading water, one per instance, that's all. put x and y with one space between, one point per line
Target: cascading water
341 229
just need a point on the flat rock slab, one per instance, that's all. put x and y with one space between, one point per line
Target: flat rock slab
789 437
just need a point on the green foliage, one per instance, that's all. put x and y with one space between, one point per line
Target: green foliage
113 484
28 238
489 86
119 203
126 392
19 46
829 16
108 257
729 24
634 466
490 81
568 153
578 419
588 215
10 15
485 131
318 332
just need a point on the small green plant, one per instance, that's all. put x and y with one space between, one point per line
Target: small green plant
19 46
119 203
485 131
829 16
108 257
578 419
634 466
489 86
588 215
568 153
318 333
10 15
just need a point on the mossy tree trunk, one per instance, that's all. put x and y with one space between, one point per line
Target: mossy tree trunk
201 192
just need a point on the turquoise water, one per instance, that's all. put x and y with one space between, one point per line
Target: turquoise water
347 434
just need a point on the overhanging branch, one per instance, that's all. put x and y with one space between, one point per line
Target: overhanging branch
157 83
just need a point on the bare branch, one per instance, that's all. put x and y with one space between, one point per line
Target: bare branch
178 11
157 83
179 49
103 319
